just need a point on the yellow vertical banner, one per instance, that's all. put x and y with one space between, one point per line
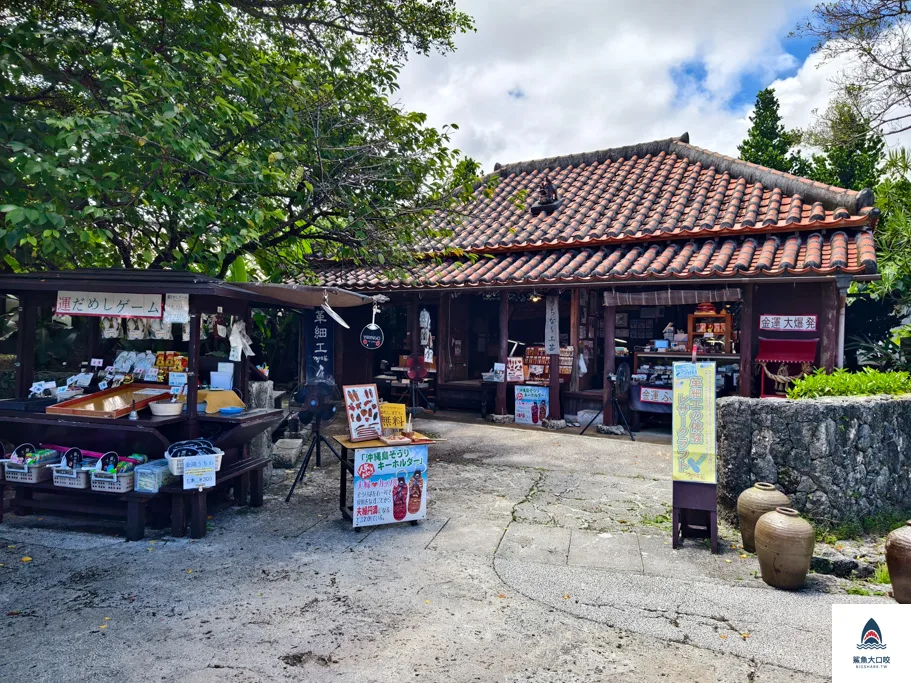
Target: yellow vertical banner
694 422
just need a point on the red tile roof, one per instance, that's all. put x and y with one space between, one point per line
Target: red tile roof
760 256
671 209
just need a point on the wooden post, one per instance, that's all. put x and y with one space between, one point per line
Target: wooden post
245 361
25 344
574 317
414 326
193 366
554 411
443 339
504 350
746 341
828 328
610 362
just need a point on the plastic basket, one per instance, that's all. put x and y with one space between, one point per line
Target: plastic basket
27 474
71 479
112 482
176 464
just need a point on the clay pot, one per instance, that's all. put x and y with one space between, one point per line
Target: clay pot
784 544
752 504
898 559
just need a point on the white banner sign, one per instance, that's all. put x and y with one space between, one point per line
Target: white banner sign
552 326
199 471
656 395
177 308
112 305
788 323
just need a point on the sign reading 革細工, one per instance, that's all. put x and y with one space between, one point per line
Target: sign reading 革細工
107 304
531 404
693 432
788 323
390 485
318 331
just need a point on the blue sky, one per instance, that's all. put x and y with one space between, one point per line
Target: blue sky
541 79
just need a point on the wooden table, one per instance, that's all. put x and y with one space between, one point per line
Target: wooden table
346 466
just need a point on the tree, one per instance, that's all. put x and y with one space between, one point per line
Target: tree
768 143
852 151
873 37
193 134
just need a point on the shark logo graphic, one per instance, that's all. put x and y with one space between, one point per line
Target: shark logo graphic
872 637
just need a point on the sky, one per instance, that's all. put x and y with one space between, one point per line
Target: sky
542 78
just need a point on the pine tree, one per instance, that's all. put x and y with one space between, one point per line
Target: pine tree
852 150
768 143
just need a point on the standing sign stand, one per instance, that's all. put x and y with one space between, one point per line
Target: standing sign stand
694 476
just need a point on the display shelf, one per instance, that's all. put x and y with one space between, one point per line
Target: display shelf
693 335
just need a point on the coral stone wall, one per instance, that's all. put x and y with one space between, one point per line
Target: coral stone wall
838 459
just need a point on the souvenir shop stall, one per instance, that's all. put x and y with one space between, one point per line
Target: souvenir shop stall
147 409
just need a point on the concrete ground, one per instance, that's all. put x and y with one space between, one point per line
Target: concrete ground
545 557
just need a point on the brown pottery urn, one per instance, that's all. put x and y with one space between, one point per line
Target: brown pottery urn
898 559
784 544
752 504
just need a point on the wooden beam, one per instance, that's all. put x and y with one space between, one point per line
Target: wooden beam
747 352
554 410
610 362
443 338
828 328
574 317
504 350
25 344
193 367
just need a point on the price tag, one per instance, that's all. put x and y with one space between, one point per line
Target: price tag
97 362
177 378
102 385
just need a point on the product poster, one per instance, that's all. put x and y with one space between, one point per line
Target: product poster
515 372
531 404
362 409
390 485
694 422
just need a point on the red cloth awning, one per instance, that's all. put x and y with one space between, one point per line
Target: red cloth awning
786 350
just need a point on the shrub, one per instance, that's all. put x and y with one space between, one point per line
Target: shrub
867 382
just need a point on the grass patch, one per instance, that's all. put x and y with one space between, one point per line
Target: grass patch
662 521
879 524
857 590
881 575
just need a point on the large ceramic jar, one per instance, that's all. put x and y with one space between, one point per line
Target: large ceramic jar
753 504
898 559
784 544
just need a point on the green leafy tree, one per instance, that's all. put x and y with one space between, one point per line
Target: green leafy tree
852 151
199 134
768 143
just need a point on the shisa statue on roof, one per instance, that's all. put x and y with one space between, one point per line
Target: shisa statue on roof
547 193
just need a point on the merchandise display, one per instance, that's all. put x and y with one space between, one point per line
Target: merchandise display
151 476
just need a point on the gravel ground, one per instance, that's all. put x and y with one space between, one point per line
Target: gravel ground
545 557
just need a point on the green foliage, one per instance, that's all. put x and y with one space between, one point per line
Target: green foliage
867 382
193 134
857 590
881 575
767 142
885 354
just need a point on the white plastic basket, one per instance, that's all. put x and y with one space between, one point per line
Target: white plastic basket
112 482
176 464
71 479
27 474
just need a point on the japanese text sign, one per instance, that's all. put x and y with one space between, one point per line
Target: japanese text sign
392 415
177 308
109 304
693 434
199 471
788 323
656 395
318 331
390 485
531 404
552 326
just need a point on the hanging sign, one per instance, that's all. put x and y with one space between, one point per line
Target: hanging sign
693 433
788 323
108 304
392 416
390 485
372 337
199 471
531 404
514 369
318 332
552 326
177 308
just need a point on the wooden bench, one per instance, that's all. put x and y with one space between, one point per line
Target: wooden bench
249 475
129 507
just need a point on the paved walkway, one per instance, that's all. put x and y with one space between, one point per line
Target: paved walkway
545 557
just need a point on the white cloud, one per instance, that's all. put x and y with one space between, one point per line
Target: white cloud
599 73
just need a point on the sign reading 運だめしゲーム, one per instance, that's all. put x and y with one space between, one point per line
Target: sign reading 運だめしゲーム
693 431
390 485
109 304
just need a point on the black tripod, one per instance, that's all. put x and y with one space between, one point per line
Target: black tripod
615 404
316 440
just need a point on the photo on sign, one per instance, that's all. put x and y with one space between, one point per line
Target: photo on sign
532 404
390 485
515 370
363 412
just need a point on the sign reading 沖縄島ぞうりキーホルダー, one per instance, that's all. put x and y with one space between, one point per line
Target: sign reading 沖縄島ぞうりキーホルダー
693 432
390 485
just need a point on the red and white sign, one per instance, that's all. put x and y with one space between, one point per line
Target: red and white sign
108 304
788 323
655 395
514 370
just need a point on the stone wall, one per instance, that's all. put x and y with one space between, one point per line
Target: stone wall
260 396
838 459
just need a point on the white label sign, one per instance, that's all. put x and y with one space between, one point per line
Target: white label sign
788 323
199 471
177 308
552 326
656 395
109 304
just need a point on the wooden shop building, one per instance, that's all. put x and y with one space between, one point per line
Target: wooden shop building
651 250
